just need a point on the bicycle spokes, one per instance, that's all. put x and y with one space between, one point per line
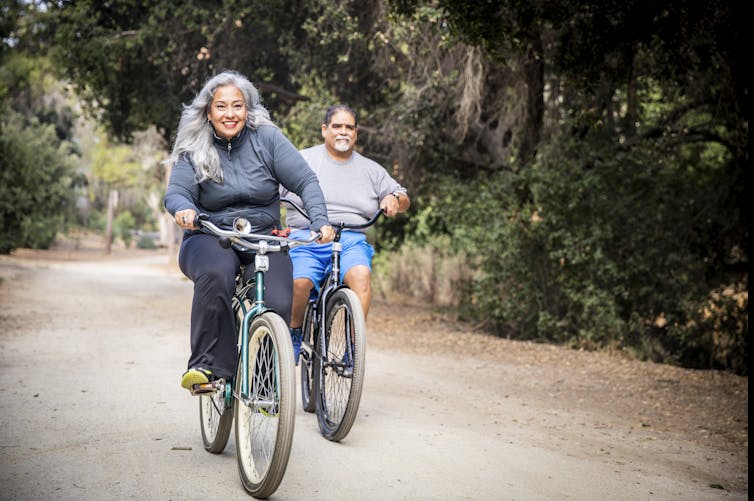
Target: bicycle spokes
265 390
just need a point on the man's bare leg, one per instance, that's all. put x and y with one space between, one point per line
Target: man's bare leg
358 279
301 289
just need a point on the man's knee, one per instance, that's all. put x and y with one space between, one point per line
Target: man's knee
302 286
358 278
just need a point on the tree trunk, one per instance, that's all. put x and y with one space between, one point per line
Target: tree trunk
534 75
112 202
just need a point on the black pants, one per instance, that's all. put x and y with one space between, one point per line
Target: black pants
213 270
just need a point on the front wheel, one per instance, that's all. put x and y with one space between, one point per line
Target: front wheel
341 372
265 417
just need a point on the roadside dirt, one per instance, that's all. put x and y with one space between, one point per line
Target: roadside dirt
92 347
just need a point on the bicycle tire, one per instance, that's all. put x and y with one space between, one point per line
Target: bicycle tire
264 427
309 361
339 393
215 418
216 409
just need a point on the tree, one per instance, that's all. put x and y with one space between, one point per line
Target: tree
37 184
612 136
135 62
115 166
38 179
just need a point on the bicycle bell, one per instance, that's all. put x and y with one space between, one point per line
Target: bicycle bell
242 225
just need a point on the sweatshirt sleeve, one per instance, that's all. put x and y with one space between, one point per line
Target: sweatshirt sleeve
295 175
182 191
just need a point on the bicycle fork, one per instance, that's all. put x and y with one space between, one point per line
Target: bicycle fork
261 265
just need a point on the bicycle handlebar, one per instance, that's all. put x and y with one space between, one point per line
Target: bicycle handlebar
242 237
342 225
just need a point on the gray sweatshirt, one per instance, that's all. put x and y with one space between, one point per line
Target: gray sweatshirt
353 188
254 164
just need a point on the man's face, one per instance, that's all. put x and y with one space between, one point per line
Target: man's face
227 113
340 134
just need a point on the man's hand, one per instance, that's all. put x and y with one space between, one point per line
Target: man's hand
328 234
390 205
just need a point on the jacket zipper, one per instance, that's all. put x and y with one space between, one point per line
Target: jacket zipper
229 147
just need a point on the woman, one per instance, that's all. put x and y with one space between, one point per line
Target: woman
228 161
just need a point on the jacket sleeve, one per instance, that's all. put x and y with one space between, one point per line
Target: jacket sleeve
182 191
295 175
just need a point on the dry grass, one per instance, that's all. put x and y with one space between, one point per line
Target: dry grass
425 274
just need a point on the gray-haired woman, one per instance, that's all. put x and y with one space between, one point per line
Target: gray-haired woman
228 161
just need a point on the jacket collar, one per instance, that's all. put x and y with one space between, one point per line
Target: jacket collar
234 141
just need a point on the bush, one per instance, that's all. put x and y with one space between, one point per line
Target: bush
146 242
600 247
123 226
36 185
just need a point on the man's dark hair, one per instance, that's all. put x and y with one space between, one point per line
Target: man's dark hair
340 107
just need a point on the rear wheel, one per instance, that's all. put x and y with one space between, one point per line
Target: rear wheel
309 362
265 420
340 376
216 418
216 409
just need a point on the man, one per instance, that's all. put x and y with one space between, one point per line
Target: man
354 188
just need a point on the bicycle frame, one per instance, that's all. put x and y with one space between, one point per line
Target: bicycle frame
333 278
261 265
259 399
260 244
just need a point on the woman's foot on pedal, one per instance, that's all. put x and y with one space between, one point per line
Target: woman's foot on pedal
195 375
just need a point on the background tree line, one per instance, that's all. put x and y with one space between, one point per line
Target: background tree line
578 169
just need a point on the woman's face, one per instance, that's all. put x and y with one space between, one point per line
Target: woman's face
227 113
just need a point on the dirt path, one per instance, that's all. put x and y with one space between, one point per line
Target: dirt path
91 351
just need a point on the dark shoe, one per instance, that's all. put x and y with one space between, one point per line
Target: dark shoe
296 338
347 365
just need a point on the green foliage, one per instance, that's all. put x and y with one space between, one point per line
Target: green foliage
123 226
135 62
608 252
97 221
302 124
146 242
114 164
588 160
37 184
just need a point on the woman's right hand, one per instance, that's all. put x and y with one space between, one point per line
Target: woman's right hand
185 218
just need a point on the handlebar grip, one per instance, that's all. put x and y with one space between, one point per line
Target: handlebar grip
198 218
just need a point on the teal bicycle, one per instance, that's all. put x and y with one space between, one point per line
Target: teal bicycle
260 399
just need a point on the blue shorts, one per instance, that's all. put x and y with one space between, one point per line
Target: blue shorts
314 261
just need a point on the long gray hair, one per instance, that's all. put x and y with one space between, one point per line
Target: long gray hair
195 132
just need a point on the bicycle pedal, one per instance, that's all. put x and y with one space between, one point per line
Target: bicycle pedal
204 388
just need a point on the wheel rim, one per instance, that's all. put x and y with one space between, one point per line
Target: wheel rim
258 421
213 406
307 360
336 386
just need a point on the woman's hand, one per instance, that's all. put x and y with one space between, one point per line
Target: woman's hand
185 218
328 234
